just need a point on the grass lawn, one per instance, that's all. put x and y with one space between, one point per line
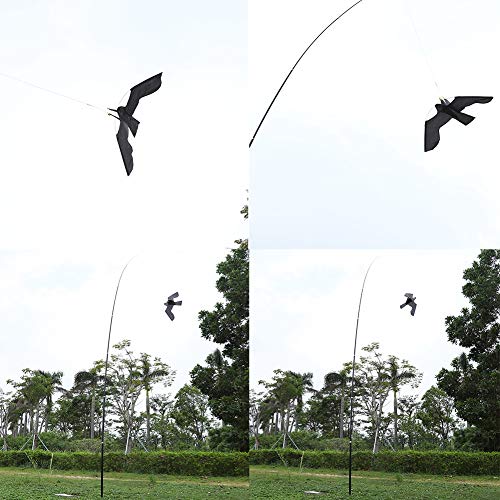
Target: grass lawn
281 482
41 484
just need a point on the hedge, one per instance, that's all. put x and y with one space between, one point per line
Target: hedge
183 463
426 462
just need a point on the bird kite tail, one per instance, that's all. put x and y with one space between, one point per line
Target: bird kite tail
402 305
464 118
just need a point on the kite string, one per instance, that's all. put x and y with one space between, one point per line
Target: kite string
51 91
422 50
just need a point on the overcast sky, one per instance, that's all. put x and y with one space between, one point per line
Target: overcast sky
305 302
71 218
339 161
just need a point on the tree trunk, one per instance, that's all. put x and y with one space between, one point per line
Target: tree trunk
92 414
341 419
378 422
35 432
395 418
148 417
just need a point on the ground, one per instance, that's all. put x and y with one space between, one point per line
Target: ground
30 484
290 483
267 482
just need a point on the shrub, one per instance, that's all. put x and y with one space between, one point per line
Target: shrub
183 463
309 440
429 462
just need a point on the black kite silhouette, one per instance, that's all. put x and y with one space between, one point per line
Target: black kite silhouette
410 301
171 303
447 110
127 121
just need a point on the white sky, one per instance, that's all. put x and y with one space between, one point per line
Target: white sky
305 302
339 161
71 218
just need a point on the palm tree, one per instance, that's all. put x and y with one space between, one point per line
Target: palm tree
52 383
338 381
400 373
89 381
151 373
304 384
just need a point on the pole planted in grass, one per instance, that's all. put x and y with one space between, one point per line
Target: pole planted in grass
106 379
352 379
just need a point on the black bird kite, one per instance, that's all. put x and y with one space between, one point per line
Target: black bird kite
171 303
447 110
410 301
127 121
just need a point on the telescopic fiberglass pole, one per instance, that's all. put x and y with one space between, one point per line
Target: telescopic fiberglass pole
293 67
106 379
352 379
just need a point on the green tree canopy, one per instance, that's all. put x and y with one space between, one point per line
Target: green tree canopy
224 378
474 378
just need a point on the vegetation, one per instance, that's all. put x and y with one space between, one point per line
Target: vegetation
429 462
186 463
461 412
473 382
42 485
211 413
289 483
175 423
224 378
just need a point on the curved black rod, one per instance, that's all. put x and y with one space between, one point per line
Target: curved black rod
106 379
352 377
293 67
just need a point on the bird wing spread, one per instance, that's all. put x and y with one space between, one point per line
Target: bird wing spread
173 296
432 127
169 312
125 147
461 102
141 90
409 295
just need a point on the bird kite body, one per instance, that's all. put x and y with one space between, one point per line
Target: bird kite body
128 122
170 303
445 112
410 301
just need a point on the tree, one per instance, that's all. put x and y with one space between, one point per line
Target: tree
126 385
337 381
52 382
474 378
436 415
224 379
32 390
372 388
400 374
304 384
152 373
162 424
191 413
410 429
89 381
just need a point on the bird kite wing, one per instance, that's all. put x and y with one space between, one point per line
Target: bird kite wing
141 90
125 147
169 312
413 309
173 296
432 127
178 303
409 295
402 305
461 102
